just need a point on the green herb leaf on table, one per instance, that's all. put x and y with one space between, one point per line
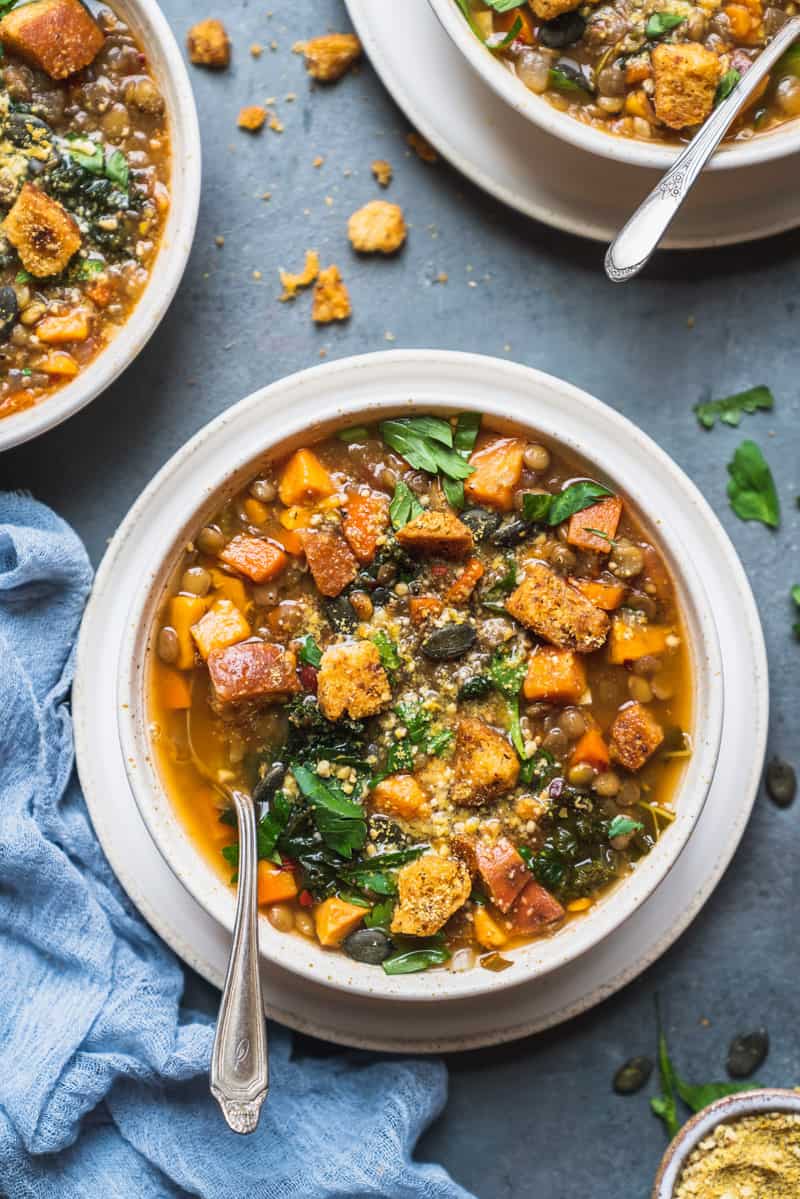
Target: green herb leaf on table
404 506
387 649
665 1105
730 408
413 960
309 653
726 85
751 488
795 594
662 22
700 1096
620 826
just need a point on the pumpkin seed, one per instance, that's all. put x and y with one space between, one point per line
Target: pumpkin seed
272 781
482 522
9 309
634 1075
747 1052
562 31
511 532
781 782
341 614
450 642
369 945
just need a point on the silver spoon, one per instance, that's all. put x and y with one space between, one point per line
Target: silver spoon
633 246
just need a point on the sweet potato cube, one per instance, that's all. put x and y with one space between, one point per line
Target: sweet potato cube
229 587
275 885
557 676
222 625
607 596
439 533
429 890
41 230
330 561
630 640
334 918
62 329
591 750
635 736
488 931
535 909
502 870
58 36
498 467
424 607
603 516
485 766
399 795
174 687
304 480
184 612
557 612
252 670
259 560
366 518
352 680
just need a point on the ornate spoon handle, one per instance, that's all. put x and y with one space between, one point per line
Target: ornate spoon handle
635 243
239 1062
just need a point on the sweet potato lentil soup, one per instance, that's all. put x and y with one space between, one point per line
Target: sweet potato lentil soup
644 68
84 174
448 665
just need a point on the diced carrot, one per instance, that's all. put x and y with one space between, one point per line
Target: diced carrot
488 932
334 918
58 363
498 467
740 20
424 607
366 517
58 330
592 750
603 516
222 625
637 72
462 588
256 512
297 516
555 676
228 587
185 611
398 795
629 641
259 560
304 478
274 884
504 23
607 596
174 687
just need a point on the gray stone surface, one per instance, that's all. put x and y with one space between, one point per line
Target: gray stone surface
537 1118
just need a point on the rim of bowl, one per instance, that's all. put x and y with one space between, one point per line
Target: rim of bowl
780 143
732 1107
317 398
166 61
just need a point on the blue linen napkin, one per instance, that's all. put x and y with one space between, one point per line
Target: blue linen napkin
103 1087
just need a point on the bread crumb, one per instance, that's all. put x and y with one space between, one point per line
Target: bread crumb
219 240
256 49
251 118
690 322
329 57
382 171
318 161
208 44
256 275
299 47
329 201
275 123
291 97
442 277
292 283
377 228
422 148
331 297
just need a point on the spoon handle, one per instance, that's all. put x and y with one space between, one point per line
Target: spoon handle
634 244
239 1062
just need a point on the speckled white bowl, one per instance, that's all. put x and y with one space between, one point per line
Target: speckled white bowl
218 460
654 154
166 61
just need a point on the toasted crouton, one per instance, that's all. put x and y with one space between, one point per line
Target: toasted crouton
634 735
351 680
209 44
485 766
41 230
557 612
252 670
429 891
382 170
58 36
330 561
251 117
685 75
438 533
329 57
331 301
377 228
556 676
502 870
535 909
545 10
292 282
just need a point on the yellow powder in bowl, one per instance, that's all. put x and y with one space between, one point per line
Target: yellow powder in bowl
756 1157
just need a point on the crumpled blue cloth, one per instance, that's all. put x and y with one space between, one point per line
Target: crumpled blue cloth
103 1086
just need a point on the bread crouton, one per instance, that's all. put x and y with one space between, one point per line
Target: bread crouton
535 909
429 890
208 44
58 36
330 561
635 734
557 612
251 118
502 870
331 300
545 10
382 170
377 228
329 57
352 680
42 232
439 533
253 670
685 75
556 676
485 766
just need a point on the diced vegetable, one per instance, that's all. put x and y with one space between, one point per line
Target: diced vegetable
555 675
498 468
304 480
335 918
185 611
174 687
399 795
488 931
57 330
424 607
596 527
630 640
462 588
607 596
275 885
259 560
221 626
366 518
592 750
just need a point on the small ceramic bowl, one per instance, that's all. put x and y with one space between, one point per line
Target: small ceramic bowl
734 1107
779 143
219 459
166 61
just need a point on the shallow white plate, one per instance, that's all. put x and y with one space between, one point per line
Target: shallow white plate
464 1023
508 156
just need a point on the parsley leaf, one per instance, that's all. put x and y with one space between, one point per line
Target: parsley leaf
354 435
404 506
381 915
726 85
466 432
309 653
536 506
541 508
492 597
730 408
508 674
662 22
665 1105
426 444
413 960
387 649
504 5
751 488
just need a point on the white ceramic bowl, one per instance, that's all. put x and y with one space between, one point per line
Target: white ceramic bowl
166 61
657 155
220 458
